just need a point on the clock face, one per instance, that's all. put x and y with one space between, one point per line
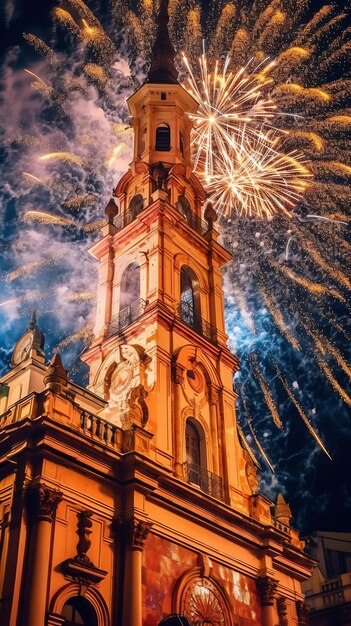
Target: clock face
22 349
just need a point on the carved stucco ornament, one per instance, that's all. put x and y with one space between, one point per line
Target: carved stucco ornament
124 381
251 472
42 502
81 569
137 412
266 586
203 604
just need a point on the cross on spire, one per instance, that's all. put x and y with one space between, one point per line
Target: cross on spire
162 69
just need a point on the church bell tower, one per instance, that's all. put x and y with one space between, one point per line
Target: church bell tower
160 342
137 499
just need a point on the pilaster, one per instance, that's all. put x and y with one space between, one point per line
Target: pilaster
42 504
136 532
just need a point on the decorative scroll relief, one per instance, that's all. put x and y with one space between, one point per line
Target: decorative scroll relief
124 380
202 603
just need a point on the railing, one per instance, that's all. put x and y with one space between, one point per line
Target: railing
98 427
124 219
194 221
208 482
280 526
202 327
126 316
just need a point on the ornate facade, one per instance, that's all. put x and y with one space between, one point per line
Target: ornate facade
136 499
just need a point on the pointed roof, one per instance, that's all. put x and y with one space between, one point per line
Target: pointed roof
38 337
282 510
162 69
33 320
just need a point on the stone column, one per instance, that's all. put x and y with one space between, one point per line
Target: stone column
214 403
136 531
178 430
42 504
266 587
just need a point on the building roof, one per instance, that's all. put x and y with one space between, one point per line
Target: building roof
162 69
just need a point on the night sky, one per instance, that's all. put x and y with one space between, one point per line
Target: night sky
318 489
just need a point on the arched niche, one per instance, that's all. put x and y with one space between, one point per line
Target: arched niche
136 205
188 355
129 294
72 594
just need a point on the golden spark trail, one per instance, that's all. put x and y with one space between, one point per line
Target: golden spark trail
67 157
39 79
326 266
26 270
266 393
252 431
34 179
94 226
96 73
77 202
310 285
301 412
81 297
275 311
247 446
331 378
85 333
48 218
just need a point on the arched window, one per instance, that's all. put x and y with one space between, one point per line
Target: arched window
78 611
192 443
190 311
196 454
163 138
136 205
129 298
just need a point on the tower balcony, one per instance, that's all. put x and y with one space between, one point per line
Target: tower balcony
208 483
195 222
126 316
201 326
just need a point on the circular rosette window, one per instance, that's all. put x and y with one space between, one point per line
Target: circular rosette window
204 605
196 380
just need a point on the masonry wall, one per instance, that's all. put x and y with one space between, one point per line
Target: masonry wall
164 565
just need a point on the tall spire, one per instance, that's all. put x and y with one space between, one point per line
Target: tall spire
33 320
162 68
